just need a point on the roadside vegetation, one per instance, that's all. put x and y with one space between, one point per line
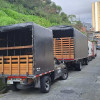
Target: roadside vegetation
8 16
42 12
3 87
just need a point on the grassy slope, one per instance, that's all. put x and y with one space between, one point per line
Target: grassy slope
2 86
8 16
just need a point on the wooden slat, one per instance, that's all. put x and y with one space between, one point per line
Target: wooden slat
2 65
14 65
16 47
30 60
18 66
6 57
23 60
69 48
15 60
15 57
10 66
61 48
27 64
64 47
30 55
6 60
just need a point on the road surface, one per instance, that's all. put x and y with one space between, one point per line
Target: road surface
83 85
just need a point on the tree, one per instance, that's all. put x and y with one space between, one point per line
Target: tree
41 8
64 17
78 25
48 1
59 9
72 18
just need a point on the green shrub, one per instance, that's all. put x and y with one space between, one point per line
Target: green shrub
2 85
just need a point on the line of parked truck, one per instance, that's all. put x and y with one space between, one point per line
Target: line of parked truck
34 56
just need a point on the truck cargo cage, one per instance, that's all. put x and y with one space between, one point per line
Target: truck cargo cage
22 47
16 42
16 56
69 43
64 48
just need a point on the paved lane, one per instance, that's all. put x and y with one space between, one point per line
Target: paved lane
84 85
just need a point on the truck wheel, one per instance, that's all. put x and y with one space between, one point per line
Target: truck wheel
90 58
86 62
45 84
64 74
93 57
14 88
78 66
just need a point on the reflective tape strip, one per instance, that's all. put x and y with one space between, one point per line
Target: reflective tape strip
40 74
17 77
37 75
43 73
66 59
49 71
52 71
31 77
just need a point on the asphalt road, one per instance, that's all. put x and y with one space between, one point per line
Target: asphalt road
83 85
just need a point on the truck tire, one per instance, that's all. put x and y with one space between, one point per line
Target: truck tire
78 66
45 83
13 87
64 74
86 62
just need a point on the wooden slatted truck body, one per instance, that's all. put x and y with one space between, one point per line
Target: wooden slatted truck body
70 46
26 57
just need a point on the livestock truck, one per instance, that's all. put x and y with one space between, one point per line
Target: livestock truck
26 57
70 46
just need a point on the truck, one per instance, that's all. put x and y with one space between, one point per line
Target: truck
92 52
70 46
94 44
26 57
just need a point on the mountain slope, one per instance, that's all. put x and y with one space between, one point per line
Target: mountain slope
43 9
8 16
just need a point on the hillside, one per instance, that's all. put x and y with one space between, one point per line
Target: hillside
8 16
42 12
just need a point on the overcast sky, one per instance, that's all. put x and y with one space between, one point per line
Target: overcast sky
81 8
